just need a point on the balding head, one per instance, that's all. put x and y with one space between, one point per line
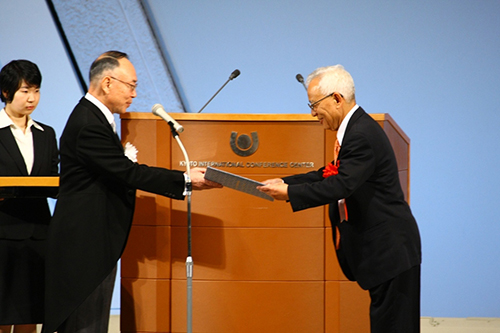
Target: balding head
104 64
113 81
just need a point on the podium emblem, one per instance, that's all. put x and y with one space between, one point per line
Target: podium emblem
244 145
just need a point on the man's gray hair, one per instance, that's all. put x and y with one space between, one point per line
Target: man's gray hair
106 62
334 79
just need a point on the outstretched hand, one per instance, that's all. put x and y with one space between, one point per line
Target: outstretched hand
275 188
199 182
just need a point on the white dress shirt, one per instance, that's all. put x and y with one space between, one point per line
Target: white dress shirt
104 109
343 124
24 139
340 137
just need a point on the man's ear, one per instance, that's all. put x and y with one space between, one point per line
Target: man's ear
105 84
338 97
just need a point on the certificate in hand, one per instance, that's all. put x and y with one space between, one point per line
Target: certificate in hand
236 182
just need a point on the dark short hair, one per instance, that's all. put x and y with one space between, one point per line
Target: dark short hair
12 76
106 61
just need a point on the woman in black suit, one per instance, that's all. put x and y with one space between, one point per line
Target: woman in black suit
27 148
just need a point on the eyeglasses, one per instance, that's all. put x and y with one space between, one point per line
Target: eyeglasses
130 85
313 105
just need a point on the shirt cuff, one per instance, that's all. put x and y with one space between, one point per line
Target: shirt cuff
186 190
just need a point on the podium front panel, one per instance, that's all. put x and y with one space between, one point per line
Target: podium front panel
258 267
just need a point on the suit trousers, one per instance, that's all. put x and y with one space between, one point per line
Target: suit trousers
92 316
395 304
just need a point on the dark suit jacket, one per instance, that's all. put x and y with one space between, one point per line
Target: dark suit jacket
23 218
94 210
380 239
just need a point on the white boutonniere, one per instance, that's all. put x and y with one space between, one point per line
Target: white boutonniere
131 152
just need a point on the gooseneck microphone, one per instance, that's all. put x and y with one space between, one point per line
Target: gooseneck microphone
176 128
233 75
300 78
159 111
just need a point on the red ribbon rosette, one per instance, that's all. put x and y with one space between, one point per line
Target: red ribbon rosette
331 169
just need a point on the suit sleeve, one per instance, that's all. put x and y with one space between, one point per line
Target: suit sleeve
309 177
357 164
97 148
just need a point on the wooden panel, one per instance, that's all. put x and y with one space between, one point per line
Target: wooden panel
346 308
354 308
333 272
330 138
28 187
141 116
280 143
143 135
385 118
230 208
164 142
399 145
30 181
151 209
285 254
147 254
147 305
250 307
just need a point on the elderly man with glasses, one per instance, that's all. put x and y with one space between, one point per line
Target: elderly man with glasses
375 234
96 201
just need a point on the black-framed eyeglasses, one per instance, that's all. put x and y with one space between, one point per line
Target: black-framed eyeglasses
130 85
312 105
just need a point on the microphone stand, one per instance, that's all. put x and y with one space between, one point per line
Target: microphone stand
189 259
233 75
214 95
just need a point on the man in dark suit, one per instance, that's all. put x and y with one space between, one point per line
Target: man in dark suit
375 233
96 201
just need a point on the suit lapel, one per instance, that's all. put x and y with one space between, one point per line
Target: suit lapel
357 114
10 145
98 113
354 118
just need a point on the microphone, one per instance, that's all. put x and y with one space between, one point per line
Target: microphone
233 75
301 80
159 111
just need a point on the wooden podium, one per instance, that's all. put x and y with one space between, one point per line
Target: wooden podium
258 267
28 187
